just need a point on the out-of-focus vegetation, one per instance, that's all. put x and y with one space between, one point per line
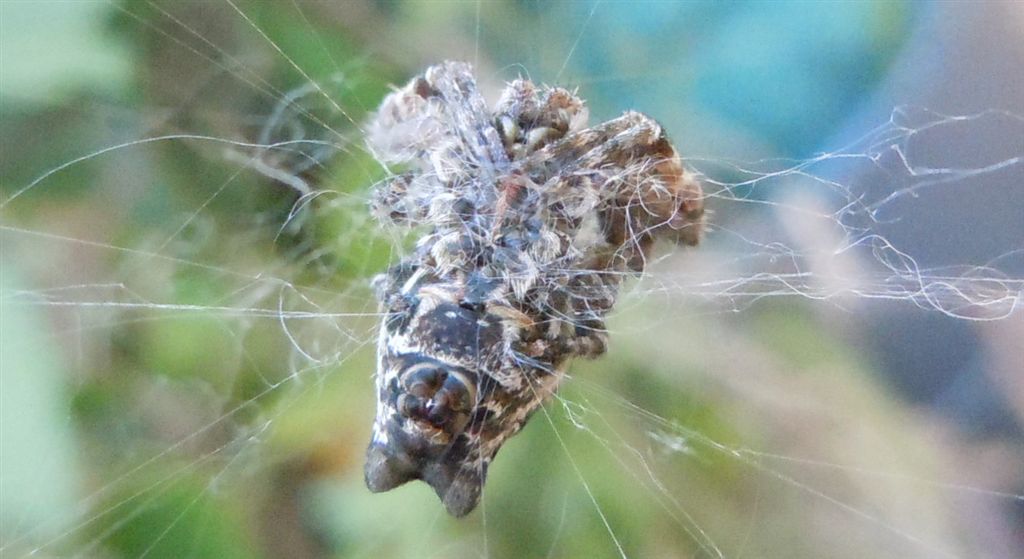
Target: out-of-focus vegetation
187 347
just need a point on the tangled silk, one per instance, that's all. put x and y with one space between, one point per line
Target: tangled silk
531 221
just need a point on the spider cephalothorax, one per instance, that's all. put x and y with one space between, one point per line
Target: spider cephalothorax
530 222
447 393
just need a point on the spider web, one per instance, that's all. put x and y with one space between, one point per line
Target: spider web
195 342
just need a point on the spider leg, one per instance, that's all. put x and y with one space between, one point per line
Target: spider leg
439 117
640 187
624 175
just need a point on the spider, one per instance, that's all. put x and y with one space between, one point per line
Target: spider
530 221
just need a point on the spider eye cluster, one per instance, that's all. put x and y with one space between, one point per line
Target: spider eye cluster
438 399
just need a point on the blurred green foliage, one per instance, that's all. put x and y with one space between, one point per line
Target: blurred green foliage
220 395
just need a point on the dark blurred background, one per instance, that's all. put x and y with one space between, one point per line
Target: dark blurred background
187 335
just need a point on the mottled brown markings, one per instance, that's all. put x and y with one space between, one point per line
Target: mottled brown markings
506 284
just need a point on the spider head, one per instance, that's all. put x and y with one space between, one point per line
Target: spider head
423 433
414 445
433 421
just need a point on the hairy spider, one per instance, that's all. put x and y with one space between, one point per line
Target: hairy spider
531 221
